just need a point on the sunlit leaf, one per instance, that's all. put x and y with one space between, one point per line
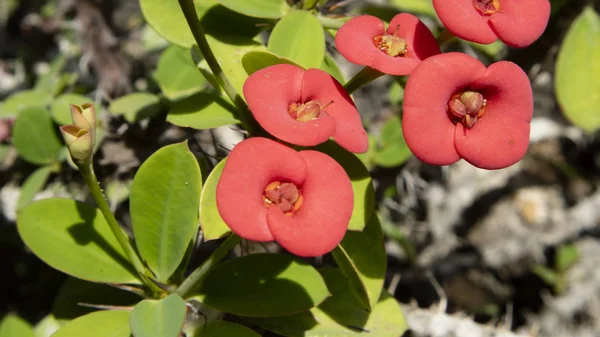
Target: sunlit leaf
213 226
299 36
202 111
109 323
163 317
35 137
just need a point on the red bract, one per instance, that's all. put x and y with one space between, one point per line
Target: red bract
456 108
518 23
304 107
396 51
268 191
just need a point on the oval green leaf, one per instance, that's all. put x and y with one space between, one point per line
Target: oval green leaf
135 107
364 193
74 238
46 327
362 259
256 60
165 194
213 226
225 329
163 318
340 315
35 137
391 150
177 74
167 19
61 107
299 36
202 111
329 65
14 104
113 323
577 83
66 306
263 285
33 184
15 326
269 9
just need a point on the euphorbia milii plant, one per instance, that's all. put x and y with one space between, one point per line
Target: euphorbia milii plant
396 50
455 107
304 107
517 23
268 191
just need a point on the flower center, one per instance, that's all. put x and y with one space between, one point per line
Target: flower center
487 7
305 112
286 196
393 45
466 107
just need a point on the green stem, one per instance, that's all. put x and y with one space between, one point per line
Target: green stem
332 23
89 177
189 11
363 77
194 281
445 37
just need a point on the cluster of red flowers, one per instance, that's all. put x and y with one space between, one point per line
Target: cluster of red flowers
454 107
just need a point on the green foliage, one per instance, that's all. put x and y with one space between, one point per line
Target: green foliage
15 326
341 315
329 65
162 318
270 9
213 226
414 6
391 149
577 90
299 36
113 323
35 137
566 256
263 285
165 195
167 19
22 100
33 184
257 60
177 74
135 107
202 111
74 238
225 329
362 186
61 107
362 259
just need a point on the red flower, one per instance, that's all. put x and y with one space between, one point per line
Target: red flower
396 51
518 23
456 108
268 191
304 107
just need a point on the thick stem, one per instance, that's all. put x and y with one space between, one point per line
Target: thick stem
363 77
189 11
194 281
89 177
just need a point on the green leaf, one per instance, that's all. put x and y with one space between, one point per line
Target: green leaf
299 36
35 137
46 327
109 323
135 107
53 80
163 318
362 259
566 256
61 107
362 186
546 274
391 150
269 9
577 88
329 65
74 238
414 6
225 329
165 195
202 111
341 315
263 285
177 74
167 19
33 184
14 104
15 326
213 226
66 305
256 60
